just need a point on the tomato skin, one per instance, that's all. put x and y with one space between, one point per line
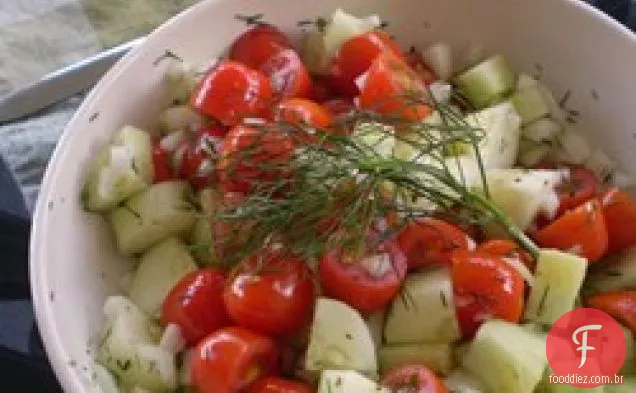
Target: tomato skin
620 305
231 359
579 188
416 62
231 92
338 106
355 57
195 157
300 111
274 297
196 304
413 378
287 75
507 249
258 44
162 170
581 230
485 286
388 80
619 210
279 385
244 153
431 242
351 282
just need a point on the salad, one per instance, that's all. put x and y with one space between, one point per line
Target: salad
350 216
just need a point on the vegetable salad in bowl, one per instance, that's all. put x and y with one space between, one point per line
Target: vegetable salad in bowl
346 215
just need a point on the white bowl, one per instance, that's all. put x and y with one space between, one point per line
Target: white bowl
73 261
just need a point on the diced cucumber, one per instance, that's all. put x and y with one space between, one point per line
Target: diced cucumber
348 381
628 385
342 26
160 268
158 212
375 322
459 381
556 111
201 237
179 118
181 80
186 367
138 389
105 381
525 81
437 356
506 357
314 53
438 56
376 136
529 104
128 347
542 130
573 147
121 170
558 280
522 194
617 272
424 310
339 339
533 154
599 163
488 82
629 365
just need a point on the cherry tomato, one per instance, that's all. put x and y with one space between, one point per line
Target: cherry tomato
580 231
195 158
416 62
619 210
577 189
231 359
271 294
367 284
507 249
196 304
413 378
321 90
485 287
258 44
279 385
388 82
249 156
355 57
431 242
301 111
620 305
231 92
162 170
287 75
339 106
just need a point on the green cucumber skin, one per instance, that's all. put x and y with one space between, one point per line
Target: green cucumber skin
488 82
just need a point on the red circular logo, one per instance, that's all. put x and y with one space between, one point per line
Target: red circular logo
585 348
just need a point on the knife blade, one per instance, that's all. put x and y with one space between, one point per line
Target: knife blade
62 83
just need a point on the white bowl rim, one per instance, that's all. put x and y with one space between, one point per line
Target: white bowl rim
56 353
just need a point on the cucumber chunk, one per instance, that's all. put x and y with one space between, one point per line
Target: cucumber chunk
459 381
542 130
121 170
348 381
128 347
160 211
160 268
506 357
179 118
424 310
616 273
529 104
437 356
339 339
488 82
104 380
438 56
202 236
558 280
533 154
314 53
182 78
629 365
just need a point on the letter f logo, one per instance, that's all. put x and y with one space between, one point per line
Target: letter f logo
583 344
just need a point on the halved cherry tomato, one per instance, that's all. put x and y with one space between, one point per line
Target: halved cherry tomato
287 75
577 189
581 231
301 111
355 57
413 378
196 304
431 242
195 159
231 359
279 385
162 170
321 90
250 156
620 305
368 284
507 249
393 88
416 62
485 287
619 210
339 106
258 44
271 294
231 92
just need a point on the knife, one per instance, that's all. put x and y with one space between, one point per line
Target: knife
62 83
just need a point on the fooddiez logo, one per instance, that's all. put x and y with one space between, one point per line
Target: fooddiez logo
585 348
